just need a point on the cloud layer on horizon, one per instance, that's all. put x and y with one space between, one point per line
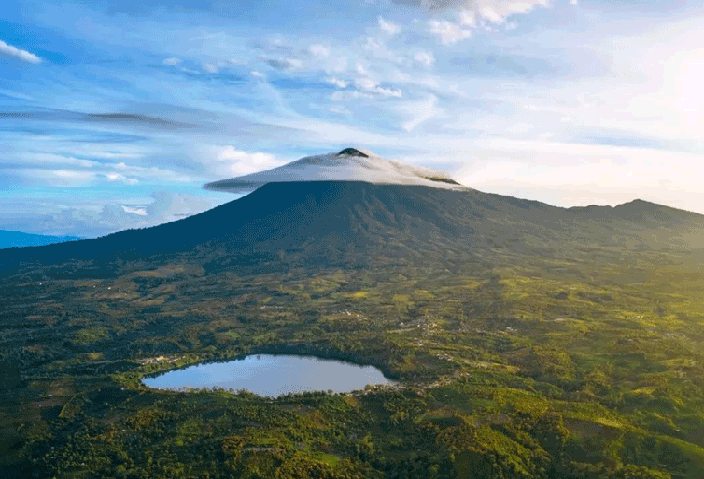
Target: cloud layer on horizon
99 220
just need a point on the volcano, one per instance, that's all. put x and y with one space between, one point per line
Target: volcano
360 224
519 332
380 212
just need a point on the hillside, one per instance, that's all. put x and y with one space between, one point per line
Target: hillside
356 224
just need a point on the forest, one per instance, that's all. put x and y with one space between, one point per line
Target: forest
539 369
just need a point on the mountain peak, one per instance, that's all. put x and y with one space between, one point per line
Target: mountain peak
352 152
349 164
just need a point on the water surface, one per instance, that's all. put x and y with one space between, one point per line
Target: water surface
272 375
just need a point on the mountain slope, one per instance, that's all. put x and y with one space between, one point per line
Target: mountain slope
360 224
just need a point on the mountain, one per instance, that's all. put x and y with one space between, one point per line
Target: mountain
18 239
528 340
360 224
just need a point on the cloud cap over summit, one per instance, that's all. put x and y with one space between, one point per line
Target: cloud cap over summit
349 164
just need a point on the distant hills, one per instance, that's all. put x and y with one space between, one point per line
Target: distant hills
18 239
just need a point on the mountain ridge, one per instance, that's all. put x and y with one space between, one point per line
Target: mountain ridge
358 223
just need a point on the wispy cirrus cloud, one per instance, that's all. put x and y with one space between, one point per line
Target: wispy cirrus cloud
491 10
24 55
113 118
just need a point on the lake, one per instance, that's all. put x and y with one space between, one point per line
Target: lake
272 375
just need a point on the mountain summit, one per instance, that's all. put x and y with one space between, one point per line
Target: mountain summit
352 152
348 164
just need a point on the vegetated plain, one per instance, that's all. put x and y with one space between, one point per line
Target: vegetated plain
529 341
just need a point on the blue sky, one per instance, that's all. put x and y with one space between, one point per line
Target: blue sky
114 116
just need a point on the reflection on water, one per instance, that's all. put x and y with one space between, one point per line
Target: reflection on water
272 375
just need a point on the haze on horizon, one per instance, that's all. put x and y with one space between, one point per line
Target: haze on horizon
114 116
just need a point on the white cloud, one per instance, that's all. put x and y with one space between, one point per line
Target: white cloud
333 166
337 82
340 110
373 44
51 159
135 211
448 33
365 84
23 55
378 48
390 28
170 206
594 174
368 85
92 222
132 173
319 51
348 95
424 58
114 176
494 11
210 68
467 18
229 161
172 61
111 152
336 64
419 111
55 178
42 168
118 177
61 170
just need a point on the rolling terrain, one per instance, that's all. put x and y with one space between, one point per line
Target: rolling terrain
529 340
